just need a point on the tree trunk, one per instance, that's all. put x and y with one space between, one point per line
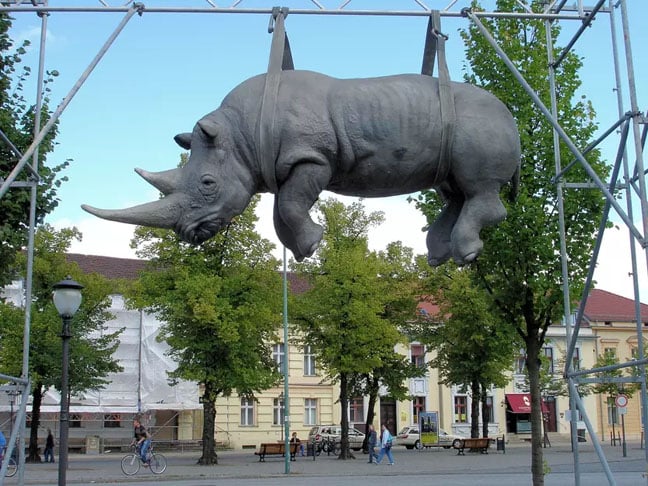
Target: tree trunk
474 409
371 414
37 395
485 414
209 456
345 453
533 367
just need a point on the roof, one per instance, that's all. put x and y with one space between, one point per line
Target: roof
604 306
601 305
129 269
109 267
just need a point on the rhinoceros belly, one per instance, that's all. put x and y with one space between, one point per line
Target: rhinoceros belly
389 136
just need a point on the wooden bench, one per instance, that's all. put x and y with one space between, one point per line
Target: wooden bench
276 448
480 444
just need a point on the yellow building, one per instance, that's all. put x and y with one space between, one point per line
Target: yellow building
175 415
612 320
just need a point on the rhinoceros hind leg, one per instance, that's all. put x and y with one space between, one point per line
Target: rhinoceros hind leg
439 234
296 196
483 209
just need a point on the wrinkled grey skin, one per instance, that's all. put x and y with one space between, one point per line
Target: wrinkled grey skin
359 137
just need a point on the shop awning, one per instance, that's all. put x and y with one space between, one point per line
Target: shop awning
521 403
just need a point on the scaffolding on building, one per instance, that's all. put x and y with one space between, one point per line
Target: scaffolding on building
626 176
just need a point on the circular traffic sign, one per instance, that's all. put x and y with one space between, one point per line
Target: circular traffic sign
621 401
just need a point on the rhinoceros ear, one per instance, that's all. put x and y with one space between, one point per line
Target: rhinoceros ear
211 128
184 140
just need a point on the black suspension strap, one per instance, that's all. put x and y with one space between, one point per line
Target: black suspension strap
280 60
435 50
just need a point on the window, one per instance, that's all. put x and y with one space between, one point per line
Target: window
612 412
609 352
634 352
418 406
461 409
309 361
576 360
520 364
418 355
278 411
490 409
278 356
548 353
310 411
356 411
608 323
112 421
75 421
247 411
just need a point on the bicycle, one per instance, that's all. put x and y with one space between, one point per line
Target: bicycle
330 445
12 466
132 462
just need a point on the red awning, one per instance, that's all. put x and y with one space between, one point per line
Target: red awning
521 403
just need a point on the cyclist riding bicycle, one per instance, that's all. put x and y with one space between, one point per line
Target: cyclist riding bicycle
142 439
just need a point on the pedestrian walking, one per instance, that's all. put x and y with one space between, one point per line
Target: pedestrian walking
372 441
49 447
385 445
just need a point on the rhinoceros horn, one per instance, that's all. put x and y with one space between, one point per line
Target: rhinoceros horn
163 213
166 181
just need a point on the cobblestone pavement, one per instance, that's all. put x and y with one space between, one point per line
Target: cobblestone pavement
430 466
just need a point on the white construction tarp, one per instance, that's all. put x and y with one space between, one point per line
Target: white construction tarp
142 385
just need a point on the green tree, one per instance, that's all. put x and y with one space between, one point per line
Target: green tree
400 276
91 347
521 266
220 303
345 314
474 349
17 123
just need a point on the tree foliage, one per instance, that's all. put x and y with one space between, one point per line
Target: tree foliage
17 123
220 305
521 266
474 348
91 347
350 314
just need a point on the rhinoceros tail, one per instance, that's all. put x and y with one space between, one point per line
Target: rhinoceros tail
515 184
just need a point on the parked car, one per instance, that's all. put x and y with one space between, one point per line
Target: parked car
335 431
410 438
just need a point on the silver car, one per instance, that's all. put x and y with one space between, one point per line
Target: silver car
410 438
319 432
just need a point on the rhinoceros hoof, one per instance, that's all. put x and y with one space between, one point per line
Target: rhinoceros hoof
435 261
469 258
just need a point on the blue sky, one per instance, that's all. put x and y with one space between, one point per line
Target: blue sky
165 71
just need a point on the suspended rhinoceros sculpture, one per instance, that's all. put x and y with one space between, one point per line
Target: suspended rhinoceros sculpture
358 137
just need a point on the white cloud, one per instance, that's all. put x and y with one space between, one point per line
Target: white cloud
402 222
614 269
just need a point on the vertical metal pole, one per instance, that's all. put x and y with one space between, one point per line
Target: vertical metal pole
65 403
286 367
639 166
563 246
633 251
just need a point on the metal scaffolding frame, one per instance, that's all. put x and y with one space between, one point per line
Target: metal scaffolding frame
630 120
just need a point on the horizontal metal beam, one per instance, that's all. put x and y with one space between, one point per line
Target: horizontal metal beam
268 11
610 379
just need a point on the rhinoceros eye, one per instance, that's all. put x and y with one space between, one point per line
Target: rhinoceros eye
208 184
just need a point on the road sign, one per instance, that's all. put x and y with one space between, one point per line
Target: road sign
621 401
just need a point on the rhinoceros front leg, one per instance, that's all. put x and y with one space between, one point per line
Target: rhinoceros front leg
439 234
482 209
293 224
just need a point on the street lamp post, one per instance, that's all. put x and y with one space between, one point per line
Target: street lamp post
67 299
